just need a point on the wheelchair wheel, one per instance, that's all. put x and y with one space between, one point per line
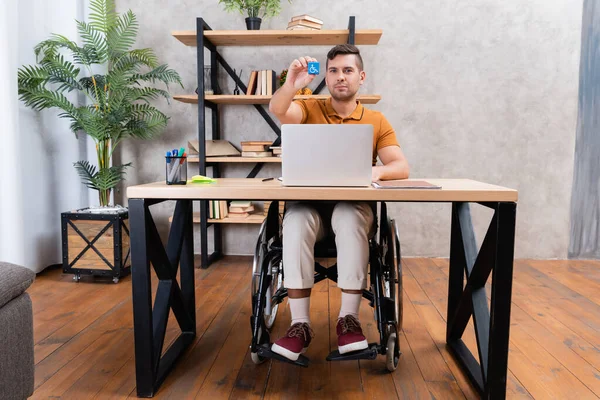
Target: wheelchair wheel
400 291
276 284
393 291
274 272
392 355
256 359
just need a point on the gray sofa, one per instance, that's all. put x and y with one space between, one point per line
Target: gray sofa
16 332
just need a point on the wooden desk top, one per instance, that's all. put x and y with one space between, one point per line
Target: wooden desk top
255 189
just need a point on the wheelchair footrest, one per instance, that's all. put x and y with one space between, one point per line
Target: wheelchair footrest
370 353
265 351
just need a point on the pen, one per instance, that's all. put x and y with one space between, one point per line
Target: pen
168 164
267 179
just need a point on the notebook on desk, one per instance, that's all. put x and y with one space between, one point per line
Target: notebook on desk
404 184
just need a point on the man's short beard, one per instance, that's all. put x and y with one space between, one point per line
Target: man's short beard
346 97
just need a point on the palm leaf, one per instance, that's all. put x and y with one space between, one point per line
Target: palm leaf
32 77
146 94
131 61
62 72
87 173
147 125
161 73
103 16
39 99
97 88
49 48
108 178
93 39
104 179
86 55
122 37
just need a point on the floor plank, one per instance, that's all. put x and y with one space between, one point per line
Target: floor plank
345 376
84 339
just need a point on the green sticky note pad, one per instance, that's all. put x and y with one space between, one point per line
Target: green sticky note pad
201 179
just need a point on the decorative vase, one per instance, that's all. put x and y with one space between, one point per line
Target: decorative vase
253 23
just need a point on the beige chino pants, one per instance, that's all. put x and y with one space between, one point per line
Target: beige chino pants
305 223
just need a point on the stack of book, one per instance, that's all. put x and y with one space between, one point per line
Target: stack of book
304 22
256 148
240 208
217 209
262 83
276 151
268 204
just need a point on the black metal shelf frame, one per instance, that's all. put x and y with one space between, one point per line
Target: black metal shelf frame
202 42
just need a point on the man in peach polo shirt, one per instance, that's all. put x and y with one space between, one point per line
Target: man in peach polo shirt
305 223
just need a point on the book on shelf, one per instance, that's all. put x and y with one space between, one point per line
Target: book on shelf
303 22
262 83
217 209
239 215
302 28
257 154
307 17
256 148
240 203
239 210
276 150
214 148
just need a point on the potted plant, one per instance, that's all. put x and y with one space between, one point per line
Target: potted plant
116 81
254 9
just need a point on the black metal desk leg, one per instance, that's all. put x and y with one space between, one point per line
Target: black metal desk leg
150 323
492 325
502 277
142 299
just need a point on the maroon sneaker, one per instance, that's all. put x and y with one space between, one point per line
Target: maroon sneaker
350 336
295 342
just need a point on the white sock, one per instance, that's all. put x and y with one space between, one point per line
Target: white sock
300 310
350 304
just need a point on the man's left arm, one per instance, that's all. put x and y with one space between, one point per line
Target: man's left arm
395 165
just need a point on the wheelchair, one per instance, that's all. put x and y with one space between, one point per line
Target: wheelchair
384 293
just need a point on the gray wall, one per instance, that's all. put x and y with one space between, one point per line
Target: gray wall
475 89
585 204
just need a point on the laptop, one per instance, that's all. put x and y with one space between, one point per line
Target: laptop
326 154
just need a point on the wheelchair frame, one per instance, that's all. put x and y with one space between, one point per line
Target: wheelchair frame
384 293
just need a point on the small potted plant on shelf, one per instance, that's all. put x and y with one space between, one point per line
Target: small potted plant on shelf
116 82
254 9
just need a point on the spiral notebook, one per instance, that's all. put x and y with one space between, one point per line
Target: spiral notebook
404 184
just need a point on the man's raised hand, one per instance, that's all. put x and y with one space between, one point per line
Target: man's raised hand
298 75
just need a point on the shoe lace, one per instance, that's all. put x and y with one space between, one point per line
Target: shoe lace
349 324
301 330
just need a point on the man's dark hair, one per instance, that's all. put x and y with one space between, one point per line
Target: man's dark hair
343 49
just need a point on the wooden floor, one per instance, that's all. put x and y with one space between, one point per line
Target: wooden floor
84 339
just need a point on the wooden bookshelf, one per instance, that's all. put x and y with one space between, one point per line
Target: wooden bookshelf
253 99
250 219
235 159
281 37
257 218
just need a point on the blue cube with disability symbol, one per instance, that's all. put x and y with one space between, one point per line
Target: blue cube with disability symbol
313 68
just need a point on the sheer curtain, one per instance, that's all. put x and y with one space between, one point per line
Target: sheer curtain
37 150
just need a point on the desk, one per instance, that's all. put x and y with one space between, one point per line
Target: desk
469 270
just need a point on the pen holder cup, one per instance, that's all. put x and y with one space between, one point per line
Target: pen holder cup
176 170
